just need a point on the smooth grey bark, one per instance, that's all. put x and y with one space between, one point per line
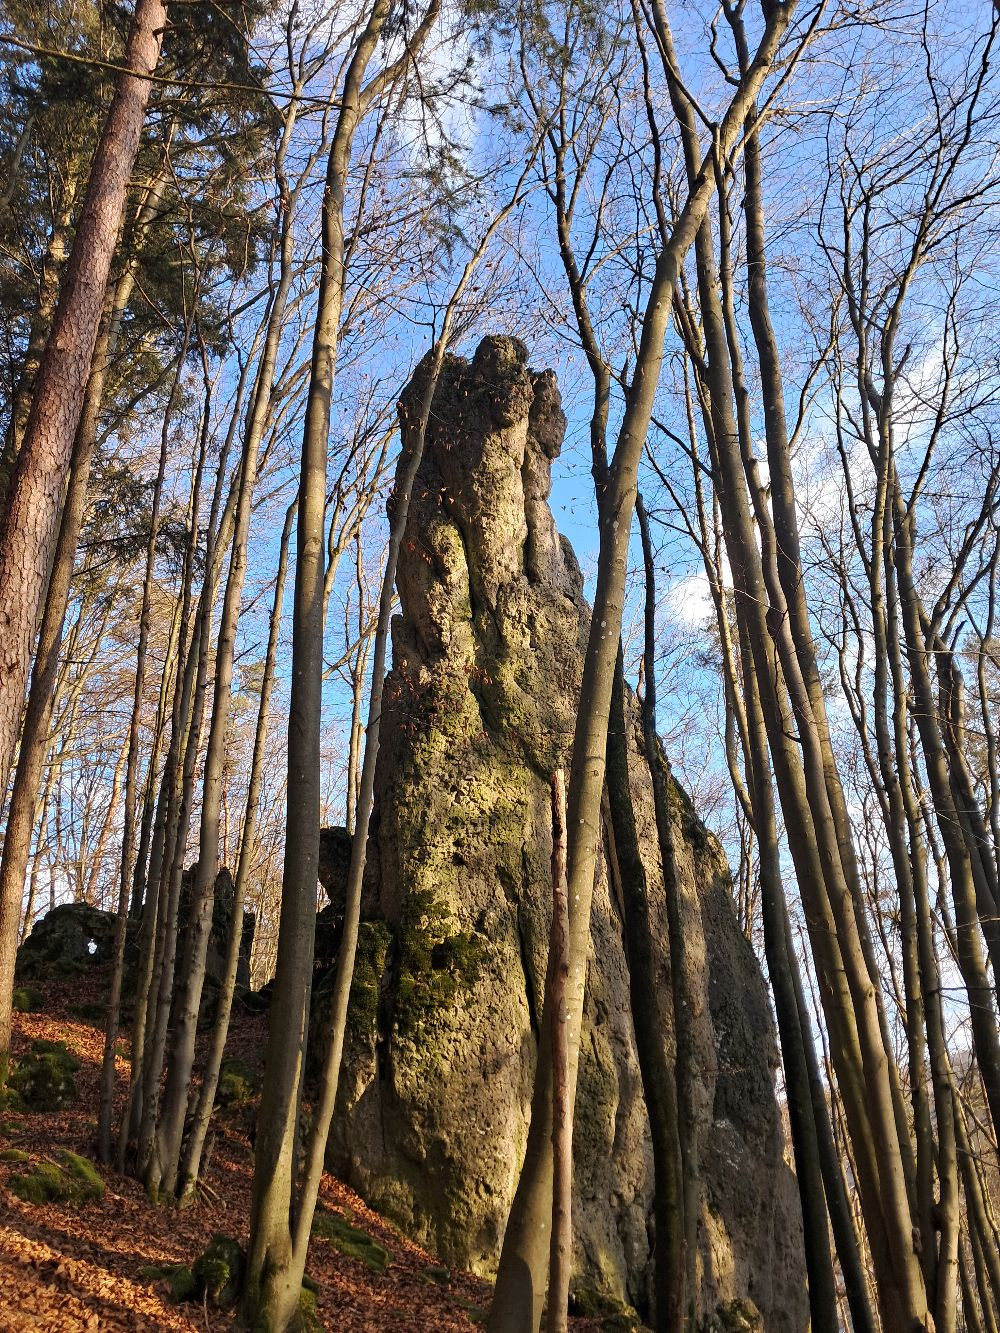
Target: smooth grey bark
658 1083
680 976
188 1004
198 1132
276 1257
106 1100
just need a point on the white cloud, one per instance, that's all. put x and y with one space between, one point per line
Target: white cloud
690 599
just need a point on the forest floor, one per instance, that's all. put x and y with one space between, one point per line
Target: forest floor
88 1266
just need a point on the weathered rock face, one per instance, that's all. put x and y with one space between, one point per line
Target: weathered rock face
479 708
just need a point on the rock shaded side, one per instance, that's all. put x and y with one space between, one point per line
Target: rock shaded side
479 708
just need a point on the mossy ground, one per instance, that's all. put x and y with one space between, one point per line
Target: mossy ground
91 1011
43 1078
28 1000
352 1241
74 1180
178 1277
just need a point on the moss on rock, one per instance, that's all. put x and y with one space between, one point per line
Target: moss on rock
615 1315
435 961
27 1000
352 1241
238 1083
76 1181
736 1316
11 1100
85 1175
218 1271
374 938
43 1078
439 1276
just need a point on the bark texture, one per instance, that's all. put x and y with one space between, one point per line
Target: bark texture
479 710
30 528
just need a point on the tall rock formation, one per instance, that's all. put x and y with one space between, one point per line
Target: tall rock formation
479 708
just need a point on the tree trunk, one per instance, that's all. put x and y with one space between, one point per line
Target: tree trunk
276 1257
213 1061
561 1245
176 1093
658 1083
29 529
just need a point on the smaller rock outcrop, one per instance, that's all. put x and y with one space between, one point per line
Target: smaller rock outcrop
71 938
75 937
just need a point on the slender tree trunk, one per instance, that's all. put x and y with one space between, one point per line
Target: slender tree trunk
276 1257
650 1024
680 978
176 1094
561 1246
213 1061
272 1280
106 1104
29 528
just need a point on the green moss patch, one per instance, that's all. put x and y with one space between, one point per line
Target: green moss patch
91 1011
435 961
43 1078
374 938
218 1272
476 1313
14 1155
615 1315
306 1318
439 1276
736 1316
352 1241
178 1277
76 1181
28 1000
238 1084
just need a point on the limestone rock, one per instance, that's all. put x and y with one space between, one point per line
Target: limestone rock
479 708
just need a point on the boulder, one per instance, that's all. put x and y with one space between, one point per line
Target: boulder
66 941
479 708
75 937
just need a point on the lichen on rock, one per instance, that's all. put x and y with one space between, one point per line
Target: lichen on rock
478 709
